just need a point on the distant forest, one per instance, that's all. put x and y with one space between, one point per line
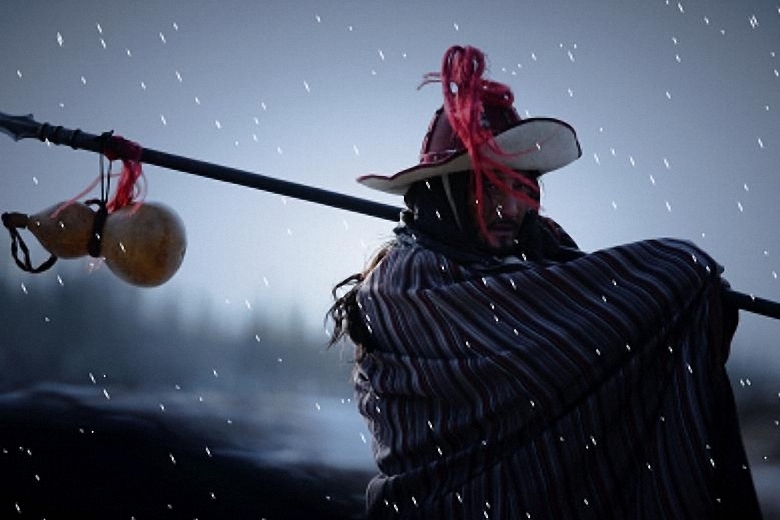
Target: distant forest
63 333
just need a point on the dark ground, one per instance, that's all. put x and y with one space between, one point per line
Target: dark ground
62 458
71 452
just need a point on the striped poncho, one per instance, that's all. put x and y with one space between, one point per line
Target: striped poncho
592 388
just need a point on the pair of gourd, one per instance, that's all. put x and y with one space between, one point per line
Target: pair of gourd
142 243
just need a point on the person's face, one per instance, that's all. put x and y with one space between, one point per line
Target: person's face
503 212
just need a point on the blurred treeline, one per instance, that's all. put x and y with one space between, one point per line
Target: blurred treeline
90 327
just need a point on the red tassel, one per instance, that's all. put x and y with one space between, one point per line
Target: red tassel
129 188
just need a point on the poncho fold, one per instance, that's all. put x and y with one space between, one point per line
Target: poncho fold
588 388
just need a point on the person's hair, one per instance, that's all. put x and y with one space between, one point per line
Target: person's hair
345 311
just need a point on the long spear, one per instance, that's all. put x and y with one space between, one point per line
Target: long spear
23 127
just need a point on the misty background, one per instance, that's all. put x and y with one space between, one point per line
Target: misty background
675 105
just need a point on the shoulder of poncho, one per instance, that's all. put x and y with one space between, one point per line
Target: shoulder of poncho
684 247
671 242
410 265
415 254
611 293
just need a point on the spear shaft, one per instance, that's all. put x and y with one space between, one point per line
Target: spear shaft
23 127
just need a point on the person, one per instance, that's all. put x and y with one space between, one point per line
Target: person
503 372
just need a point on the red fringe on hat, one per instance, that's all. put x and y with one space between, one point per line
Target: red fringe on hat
466 93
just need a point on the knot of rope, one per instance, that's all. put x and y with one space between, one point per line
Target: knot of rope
13 222
96 238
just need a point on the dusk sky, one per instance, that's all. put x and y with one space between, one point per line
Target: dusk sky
675 105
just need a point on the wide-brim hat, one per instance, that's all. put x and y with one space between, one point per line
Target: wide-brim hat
536 145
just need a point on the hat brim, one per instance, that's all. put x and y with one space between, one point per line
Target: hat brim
540 144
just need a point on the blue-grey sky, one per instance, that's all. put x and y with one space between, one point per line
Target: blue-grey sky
675 103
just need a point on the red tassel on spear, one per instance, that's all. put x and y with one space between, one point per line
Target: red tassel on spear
129 188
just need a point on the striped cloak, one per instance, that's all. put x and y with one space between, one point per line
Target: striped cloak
592 388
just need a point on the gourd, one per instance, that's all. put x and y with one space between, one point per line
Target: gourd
67 234
142 243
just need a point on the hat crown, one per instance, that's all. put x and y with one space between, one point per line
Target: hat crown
441 141
478 130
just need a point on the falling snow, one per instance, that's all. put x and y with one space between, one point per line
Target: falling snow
240 259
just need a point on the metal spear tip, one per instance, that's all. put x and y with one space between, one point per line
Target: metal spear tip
18 127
